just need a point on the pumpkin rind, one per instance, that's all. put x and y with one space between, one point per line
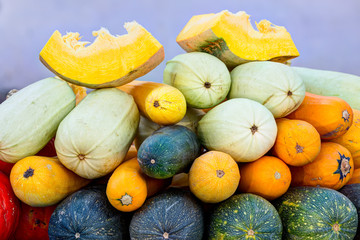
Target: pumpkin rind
350 138
95 137
214 177
202 78
43 181
276 86
174 214
108 62
330 83
241 127
126 189
268 177
159 102
40 107
332 168
245 216
87 214
168 151
297 142
331 116
317 213
232 39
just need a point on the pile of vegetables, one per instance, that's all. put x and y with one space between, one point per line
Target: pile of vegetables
233 144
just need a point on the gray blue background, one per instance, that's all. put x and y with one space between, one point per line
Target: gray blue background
326 32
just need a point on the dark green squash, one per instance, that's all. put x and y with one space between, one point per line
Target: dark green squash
171 215
245 216
352 191
87 215
317 213
168 151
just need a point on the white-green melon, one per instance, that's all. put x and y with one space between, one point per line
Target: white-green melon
95 137
203 79
275 85
241 127
30 117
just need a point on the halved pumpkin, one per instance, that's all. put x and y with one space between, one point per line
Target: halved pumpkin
110 61
232 39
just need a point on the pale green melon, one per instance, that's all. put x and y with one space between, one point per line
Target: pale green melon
95 137
241 127
275 85
330 83
30 117
203 79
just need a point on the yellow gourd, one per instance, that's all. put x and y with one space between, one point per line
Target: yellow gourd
43 181
159 102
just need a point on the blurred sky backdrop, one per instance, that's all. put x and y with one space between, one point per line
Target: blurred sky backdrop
326 32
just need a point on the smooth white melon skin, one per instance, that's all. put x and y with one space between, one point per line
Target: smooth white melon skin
30 117
227 128
188 72
100 130
269 84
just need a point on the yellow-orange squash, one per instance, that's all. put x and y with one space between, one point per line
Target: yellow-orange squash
161 103
43 181
109 61
351 139
332 168
80 92
268 177
232 39
132 153
155 185
331 116
355 177
297 142
180 180
214 177
126 188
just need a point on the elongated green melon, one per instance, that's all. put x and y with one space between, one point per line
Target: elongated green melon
95 137
168 151
30 117
331 83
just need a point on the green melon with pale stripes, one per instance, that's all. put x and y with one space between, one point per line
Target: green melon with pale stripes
317 213
245 216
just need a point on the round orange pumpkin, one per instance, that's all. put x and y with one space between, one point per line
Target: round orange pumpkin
332 168
297 142
331 116
268 177
214 177
355 177
126 188
350 139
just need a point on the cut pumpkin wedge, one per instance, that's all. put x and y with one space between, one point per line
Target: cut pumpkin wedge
232 39
110 61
